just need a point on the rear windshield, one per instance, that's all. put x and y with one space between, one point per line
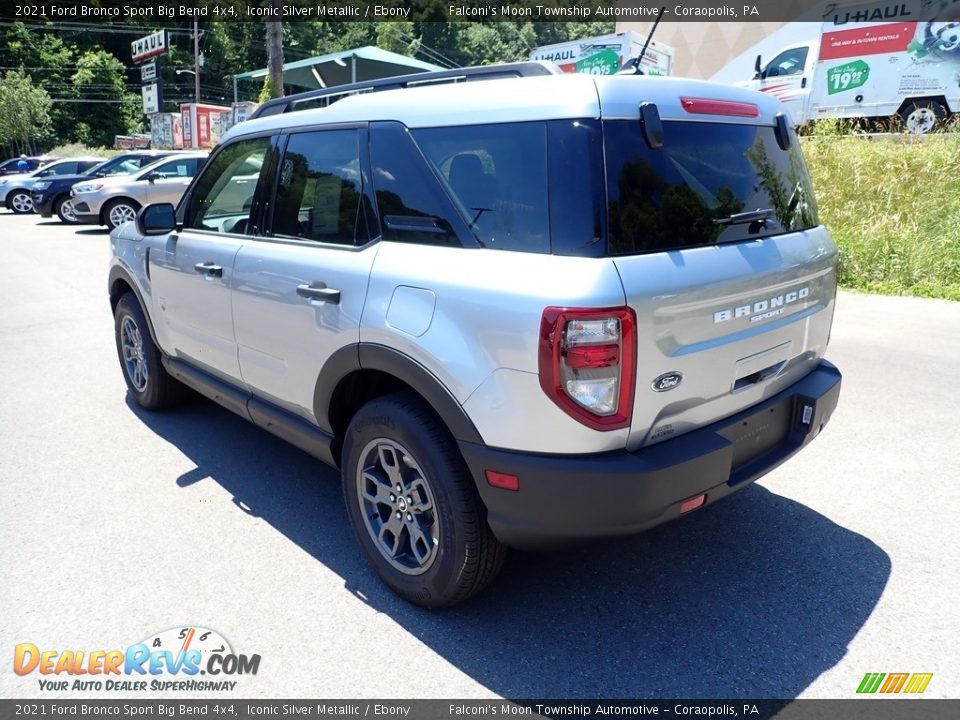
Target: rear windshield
690 191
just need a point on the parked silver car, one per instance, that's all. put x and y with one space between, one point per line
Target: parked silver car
114 201
15 189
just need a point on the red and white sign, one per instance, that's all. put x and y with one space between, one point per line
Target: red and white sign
201 124
150 46
874 40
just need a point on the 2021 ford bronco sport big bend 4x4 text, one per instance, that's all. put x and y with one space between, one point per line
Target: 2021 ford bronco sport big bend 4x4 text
514 312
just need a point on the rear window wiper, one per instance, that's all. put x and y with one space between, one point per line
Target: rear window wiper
753 216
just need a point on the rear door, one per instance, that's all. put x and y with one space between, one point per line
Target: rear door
299 289
192 271
716 239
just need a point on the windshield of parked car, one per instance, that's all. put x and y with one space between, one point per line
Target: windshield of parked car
121 165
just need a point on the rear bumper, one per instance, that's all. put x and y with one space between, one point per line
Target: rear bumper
565 498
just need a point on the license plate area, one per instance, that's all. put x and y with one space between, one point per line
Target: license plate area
758 433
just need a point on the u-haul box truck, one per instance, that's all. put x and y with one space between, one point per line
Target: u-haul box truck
869 61
607 54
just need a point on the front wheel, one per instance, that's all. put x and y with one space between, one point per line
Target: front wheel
413 505
65 211
118 212
21 202
147 380
922 116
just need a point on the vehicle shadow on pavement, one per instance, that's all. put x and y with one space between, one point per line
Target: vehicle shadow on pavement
752 598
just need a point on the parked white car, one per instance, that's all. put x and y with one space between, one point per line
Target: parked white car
113 201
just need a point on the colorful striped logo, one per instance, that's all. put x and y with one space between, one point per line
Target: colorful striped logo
913 683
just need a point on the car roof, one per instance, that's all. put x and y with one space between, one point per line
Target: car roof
521 99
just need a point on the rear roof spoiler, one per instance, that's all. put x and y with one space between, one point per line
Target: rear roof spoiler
327 96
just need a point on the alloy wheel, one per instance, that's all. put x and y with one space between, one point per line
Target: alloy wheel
398 506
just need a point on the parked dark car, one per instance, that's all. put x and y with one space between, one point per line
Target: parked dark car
10 167
52 195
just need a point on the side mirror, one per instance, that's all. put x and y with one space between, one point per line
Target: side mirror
154 176
156 219
758 73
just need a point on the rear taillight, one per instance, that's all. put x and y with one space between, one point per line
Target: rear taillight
588 363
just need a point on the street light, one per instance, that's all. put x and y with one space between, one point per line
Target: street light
196 84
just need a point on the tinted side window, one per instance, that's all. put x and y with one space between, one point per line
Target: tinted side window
223 196
498 175
64 168
319 187
178 168
576 187
413 206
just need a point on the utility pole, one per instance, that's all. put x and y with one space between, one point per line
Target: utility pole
275 51
196 63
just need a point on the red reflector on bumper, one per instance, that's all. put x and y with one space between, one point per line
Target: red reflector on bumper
705 106
692 504
503 480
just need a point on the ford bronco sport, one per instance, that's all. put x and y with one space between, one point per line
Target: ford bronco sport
519 311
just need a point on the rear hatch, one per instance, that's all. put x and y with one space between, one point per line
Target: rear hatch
715 235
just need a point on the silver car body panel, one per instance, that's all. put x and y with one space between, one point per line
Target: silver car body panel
471 317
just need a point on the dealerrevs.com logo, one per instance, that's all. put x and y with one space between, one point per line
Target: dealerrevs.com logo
909 683
172 659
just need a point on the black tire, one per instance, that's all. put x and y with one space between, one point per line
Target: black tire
20 202
465 555
153 388
921 117
58 208
110 207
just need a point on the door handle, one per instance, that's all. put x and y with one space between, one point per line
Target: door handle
209 268
803 83
319 292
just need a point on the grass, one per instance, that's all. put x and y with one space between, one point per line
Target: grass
893 207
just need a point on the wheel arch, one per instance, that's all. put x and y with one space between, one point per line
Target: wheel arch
8 201
939 99
119 284
356 374
109 202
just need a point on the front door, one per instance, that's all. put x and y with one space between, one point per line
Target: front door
170 180
788 77
192 272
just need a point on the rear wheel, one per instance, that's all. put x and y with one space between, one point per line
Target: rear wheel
413 506
20 202
118 212
64 209
147 380
922 116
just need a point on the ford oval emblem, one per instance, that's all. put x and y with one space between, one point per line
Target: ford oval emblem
667 381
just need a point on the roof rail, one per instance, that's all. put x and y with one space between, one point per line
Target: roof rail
327 96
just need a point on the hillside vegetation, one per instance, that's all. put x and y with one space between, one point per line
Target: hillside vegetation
893 206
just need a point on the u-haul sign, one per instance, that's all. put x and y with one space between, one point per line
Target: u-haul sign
150 46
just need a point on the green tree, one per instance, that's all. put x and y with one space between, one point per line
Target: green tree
24 113
100 77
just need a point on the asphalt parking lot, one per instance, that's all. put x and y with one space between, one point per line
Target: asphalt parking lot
119 523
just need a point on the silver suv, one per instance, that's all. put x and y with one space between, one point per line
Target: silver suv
519 312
